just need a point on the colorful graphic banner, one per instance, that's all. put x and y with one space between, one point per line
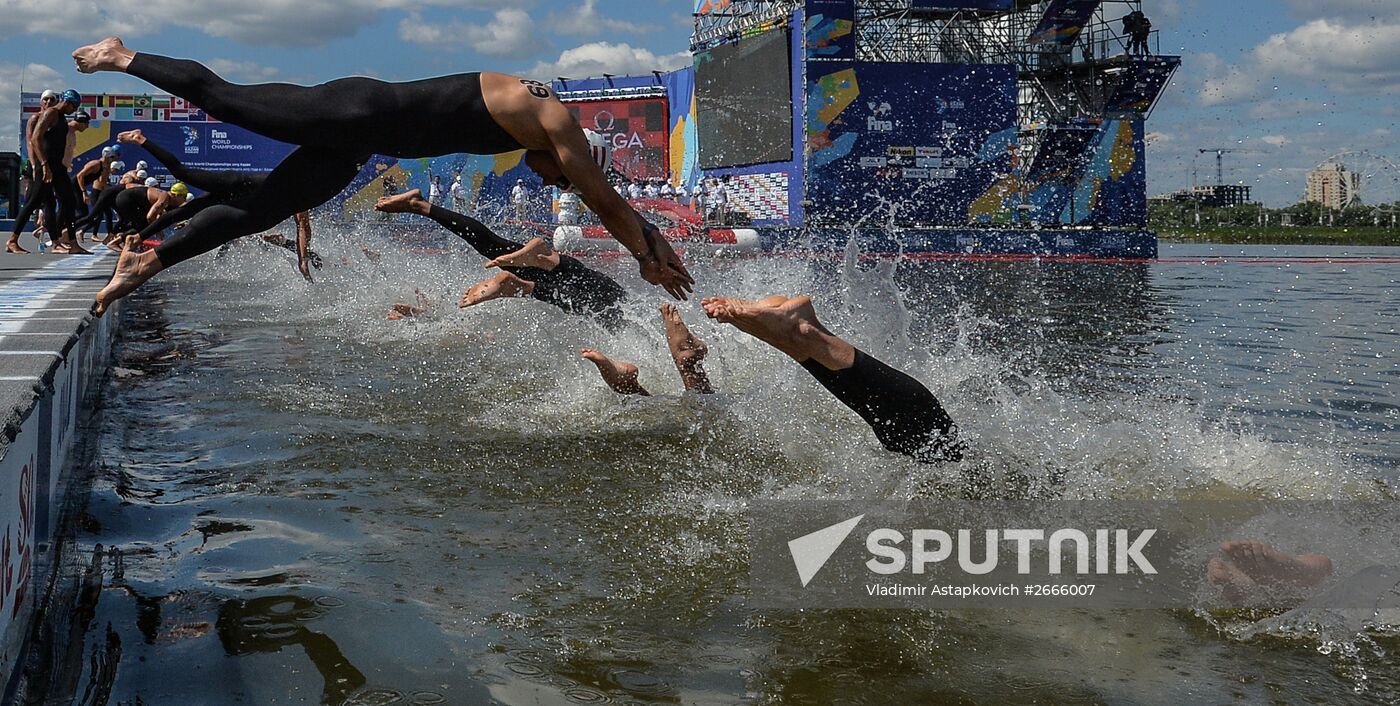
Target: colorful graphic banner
637 129
830 30
916 142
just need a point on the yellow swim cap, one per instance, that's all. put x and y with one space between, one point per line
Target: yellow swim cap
179 189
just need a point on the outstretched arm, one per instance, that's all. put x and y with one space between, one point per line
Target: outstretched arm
303 221
659 263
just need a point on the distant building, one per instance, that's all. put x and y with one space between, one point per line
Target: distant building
1333 186
1219 195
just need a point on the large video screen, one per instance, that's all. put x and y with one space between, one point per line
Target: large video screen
744 95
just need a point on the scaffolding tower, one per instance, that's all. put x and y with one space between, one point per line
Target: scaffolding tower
1058 82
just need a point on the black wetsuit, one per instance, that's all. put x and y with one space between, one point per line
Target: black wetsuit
132 206
337 125
58 192
103 207
222 187
905 416
571 286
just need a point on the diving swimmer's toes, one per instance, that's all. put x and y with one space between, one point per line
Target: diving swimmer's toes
620 376
502 285
686 350
1266 564
132 271
131 137
107 55
535 253
786 323
410 201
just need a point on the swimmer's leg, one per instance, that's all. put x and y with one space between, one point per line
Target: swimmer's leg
904 415
686 350
477 234
227 183
299 115
1265 564
619 375
305 179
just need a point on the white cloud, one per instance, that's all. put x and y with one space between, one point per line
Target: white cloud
598 58
1346 57
585 21
509 34
36 77
1275 140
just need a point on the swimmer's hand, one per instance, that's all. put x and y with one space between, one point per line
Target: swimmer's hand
662 266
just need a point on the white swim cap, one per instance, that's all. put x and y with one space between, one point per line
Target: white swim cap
107 151
600 147
141 174
50 94
118 165
152 181
142 165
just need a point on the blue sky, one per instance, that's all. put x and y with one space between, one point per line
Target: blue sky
1291 81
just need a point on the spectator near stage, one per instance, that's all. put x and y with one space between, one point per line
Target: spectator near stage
520 199
1139 30
458 194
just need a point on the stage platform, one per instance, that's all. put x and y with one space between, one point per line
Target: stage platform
53 359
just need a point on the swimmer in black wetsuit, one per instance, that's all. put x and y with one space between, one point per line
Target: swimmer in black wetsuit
48 138
340 123
138 208
222 187
528 270
904 415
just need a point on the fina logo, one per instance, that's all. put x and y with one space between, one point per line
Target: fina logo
877 121
191 139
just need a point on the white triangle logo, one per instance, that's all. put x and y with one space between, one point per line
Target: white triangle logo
810 552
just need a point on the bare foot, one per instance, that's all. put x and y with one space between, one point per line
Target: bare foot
686 350
59 249
1265 565
135 137
132 271
14 247
107 55
788 324
411 201
535 253
115 243
74 248
620 376
1233 583
502 285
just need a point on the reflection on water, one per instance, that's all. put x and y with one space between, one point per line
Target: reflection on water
298 502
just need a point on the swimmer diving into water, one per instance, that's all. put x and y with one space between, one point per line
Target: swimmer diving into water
222 187
529 270
337 125
904 415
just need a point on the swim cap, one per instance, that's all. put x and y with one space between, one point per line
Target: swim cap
152 181
179 189
142 165
72 96
141 174
48 95
118 165
82 116
108 151
600 147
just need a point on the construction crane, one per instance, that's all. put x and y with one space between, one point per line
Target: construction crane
1220 161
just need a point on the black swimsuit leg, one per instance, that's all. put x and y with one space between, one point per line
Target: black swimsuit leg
904 415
